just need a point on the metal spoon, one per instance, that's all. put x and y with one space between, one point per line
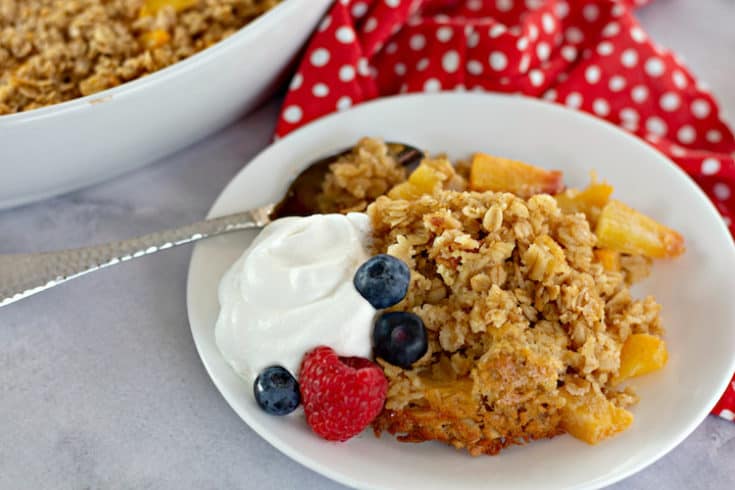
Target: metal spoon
22 275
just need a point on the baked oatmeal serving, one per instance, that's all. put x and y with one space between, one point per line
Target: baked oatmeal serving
504 309
52 51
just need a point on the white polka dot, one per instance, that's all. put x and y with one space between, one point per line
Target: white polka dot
628 114
670 101
630 125
504 5
391 48
637 34
460 87
727 414
450 61
345 34
400 69
569 53
292 114
534 4
522 43
656 125
515 30
347 73
611 29
370 24
700 108
320 90
605 48
524 64
680 80
432 85
536 77
532 32
319 57
639 93
686 134
343 103
473 39
617 83
574 100
601 107
550 94
629 58
298 79
722 191
403 89
362 67
677 151
542 51
444 34
474 5
393 3
417 42
713 136
592 74
324 24
359 9
562 9
498 60
422 64
547 22
591 12
654 66
574 35
617 10
710 166
474 67
496 31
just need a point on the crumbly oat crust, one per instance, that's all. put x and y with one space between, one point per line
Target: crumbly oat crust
360 177
520 314
52 51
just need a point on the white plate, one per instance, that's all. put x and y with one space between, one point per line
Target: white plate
67 146
695 291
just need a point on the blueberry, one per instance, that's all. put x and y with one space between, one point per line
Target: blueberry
382 280
399 337
276 391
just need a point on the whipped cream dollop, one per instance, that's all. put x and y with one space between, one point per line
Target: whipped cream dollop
292 290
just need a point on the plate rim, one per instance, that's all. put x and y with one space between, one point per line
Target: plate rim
655 155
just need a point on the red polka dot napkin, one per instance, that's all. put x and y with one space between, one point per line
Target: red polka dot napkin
590 55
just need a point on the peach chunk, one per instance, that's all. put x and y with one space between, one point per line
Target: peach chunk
490 173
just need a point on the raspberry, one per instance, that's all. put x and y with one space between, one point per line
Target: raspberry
341 395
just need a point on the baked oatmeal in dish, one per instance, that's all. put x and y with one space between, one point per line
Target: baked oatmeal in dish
52 51
480 304
525 299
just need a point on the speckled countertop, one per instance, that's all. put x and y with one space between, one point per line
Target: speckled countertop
100 384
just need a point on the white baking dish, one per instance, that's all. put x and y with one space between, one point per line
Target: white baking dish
67 146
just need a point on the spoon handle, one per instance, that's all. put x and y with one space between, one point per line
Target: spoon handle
22 275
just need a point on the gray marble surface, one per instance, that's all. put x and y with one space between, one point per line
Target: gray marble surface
100 384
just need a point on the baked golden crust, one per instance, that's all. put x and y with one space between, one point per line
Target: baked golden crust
526 318
516 307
